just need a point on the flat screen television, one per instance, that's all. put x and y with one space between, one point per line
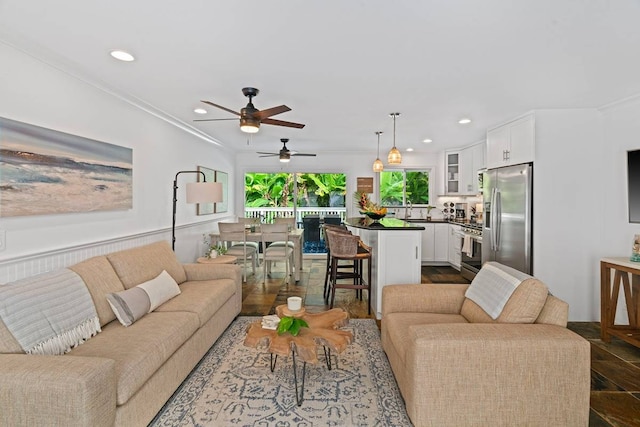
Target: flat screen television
633 175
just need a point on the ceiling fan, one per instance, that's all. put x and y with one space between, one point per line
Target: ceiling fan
285 154
251 117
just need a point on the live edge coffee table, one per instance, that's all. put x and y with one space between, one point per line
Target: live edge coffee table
322 331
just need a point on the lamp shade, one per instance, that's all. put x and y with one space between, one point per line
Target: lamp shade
394 157
204 192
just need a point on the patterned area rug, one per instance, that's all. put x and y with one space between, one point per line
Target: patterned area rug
232 385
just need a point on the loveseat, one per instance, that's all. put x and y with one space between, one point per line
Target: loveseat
456 365
122 375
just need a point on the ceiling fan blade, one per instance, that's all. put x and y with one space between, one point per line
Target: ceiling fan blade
282 123
221 107
263 114
304 154
212 120
262 152
269 155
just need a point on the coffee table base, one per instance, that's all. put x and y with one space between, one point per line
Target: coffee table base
300 389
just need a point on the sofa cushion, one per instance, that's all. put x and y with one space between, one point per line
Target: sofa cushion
524 305
143 263
493 286
399 327
101 279
554 312
140 349
203 298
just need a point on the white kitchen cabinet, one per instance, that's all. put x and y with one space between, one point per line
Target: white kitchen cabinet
452 184
471 160
427 240
395 259
441 240
435 243
511 143
455 245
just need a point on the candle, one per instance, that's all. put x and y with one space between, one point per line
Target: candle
294 303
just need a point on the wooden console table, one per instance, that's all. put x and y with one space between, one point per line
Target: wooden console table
609 291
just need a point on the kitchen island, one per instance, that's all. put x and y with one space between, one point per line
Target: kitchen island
396 253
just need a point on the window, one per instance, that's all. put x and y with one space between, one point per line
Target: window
277 189
402 186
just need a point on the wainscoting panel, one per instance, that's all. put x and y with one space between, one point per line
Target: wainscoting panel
31 265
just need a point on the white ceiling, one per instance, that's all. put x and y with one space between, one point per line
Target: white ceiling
343 66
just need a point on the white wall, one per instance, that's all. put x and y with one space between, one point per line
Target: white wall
567 221
580 199
34 92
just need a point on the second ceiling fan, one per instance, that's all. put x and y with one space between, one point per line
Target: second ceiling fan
251 117
285 154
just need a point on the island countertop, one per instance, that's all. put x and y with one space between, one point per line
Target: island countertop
383 224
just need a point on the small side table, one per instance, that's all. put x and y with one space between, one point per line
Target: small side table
220 259
626 277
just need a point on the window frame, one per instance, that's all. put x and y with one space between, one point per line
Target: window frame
427 170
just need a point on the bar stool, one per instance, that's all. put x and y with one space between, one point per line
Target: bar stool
349 247
327 274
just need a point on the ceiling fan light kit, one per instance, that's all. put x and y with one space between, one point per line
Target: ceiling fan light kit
249 125
251 117
394 157
377 164
285 154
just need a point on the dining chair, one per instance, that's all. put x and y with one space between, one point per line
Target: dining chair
235 237
248 222
276 233
291 224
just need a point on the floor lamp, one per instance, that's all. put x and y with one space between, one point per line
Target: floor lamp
197 192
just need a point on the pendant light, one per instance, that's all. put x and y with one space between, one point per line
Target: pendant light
394 157
377 165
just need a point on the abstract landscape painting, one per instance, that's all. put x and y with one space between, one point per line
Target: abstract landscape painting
43 171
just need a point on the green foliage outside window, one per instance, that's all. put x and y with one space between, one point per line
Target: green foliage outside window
276 189
397 187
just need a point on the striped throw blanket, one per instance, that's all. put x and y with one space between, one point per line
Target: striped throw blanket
49 313
493 285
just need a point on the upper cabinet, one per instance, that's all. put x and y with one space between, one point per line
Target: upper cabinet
511 143
462 169
453 172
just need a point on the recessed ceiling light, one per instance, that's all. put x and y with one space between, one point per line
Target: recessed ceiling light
464 121
121 55
427 141
409 149
200 111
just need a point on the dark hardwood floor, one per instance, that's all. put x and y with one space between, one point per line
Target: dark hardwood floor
615 366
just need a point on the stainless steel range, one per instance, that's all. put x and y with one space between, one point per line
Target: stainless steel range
471 260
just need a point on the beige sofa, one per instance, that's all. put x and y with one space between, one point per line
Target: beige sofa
123 375
456 366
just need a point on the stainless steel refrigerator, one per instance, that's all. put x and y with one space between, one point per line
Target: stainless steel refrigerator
508 208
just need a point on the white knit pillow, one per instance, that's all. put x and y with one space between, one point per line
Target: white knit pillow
132 304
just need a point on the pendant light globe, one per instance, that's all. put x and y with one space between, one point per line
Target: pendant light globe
377 164
394 157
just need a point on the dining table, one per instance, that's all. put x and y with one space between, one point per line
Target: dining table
295 235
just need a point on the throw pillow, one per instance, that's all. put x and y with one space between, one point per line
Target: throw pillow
129 305
160 290
132 304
